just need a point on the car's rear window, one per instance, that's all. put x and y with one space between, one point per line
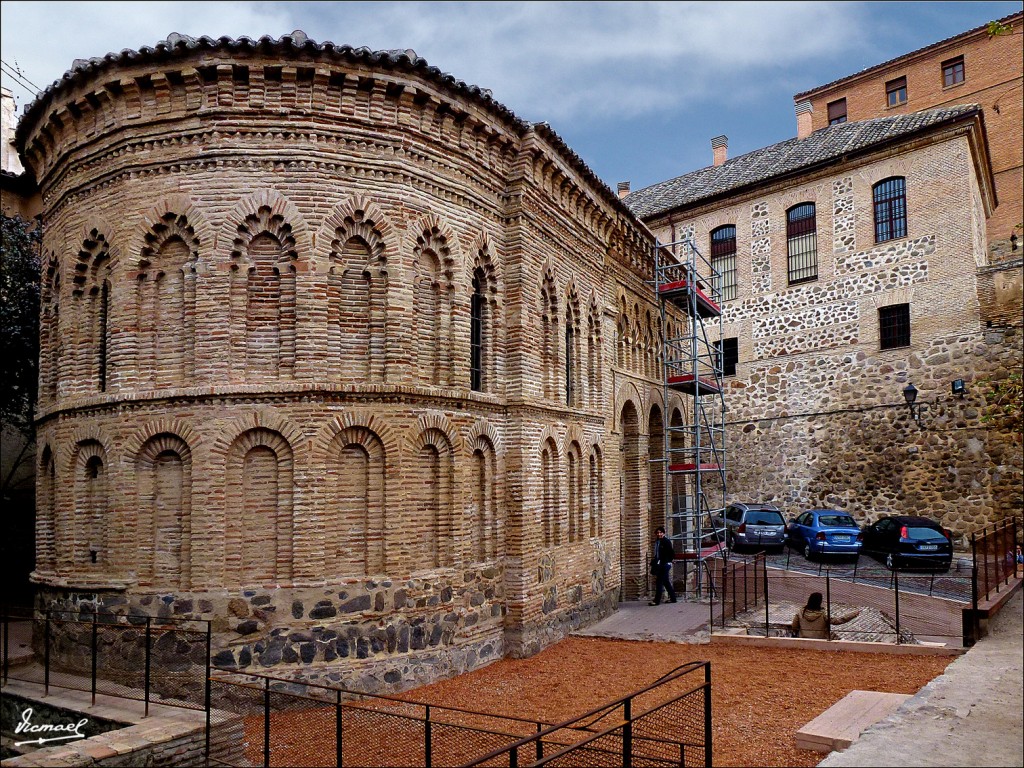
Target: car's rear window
765 518
838 521
918 532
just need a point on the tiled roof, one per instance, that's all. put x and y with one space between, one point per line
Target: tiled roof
298 43
890 62
793 155
295 43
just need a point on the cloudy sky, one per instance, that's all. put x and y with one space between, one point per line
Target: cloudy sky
636 89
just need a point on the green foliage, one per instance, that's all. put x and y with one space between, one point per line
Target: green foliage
1005 398
19 321
995 28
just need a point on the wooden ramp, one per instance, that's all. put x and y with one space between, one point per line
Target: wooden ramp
840 725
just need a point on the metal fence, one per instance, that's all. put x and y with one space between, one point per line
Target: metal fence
862 603
293 723
994 550
290 722
666 723
128 656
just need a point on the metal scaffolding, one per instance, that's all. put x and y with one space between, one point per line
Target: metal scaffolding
694 450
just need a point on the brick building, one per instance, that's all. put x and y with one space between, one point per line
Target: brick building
328 356
974 67
340 353
852 263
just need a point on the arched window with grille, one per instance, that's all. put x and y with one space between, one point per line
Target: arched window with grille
802 243
890 203
477 308
723 260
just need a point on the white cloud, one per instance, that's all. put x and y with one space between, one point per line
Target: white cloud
545 60
44 38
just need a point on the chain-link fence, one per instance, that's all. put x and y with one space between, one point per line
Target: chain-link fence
860 603
291 723
667 723
127 656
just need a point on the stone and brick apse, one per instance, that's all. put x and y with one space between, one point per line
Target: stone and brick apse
339 353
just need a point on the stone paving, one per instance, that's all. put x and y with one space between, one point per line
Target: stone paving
971 715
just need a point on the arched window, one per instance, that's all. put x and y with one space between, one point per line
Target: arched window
477 310
570 362
723 260
576 499
596 488
432 266
49 331
549 492
484 519
262 296
92 329
430 526
258 491
594 360
802 243
349 284
357 290
163 472
46 513
890 203
165 301
354 510
91 514
549 336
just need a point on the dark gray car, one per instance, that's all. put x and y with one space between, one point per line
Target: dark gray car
754 526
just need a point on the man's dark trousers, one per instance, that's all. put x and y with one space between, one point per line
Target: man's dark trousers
664 583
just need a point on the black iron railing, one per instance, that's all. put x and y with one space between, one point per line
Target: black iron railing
666 723
127 656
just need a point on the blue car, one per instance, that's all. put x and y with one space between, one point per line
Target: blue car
825 532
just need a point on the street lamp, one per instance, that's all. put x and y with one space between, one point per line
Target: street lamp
910 395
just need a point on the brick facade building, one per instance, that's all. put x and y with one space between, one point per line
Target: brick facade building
974 67
853 262
328 356
341 354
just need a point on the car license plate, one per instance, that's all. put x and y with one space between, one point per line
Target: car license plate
842 538
928 547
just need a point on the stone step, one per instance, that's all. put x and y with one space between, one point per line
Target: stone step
840 725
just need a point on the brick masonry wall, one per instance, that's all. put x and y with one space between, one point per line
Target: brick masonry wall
255 403
816 414
994 74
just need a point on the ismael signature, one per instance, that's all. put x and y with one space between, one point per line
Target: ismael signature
68 730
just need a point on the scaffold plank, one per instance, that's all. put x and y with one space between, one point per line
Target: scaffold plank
681 294
690 384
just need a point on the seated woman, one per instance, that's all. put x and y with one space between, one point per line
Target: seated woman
811 621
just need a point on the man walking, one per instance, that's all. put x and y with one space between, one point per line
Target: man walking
661 567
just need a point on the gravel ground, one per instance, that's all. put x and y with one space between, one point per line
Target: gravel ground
760 696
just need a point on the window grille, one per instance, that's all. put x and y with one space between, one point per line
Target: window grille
476 334
802 243
894 326
723 260
890 199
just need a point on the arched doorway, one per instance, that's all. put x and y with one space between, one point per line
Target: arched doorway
656 471
633 521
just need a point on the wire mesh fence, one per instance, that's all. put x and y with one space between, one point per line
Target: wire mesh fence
291 723
127 656
864 603
667 723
